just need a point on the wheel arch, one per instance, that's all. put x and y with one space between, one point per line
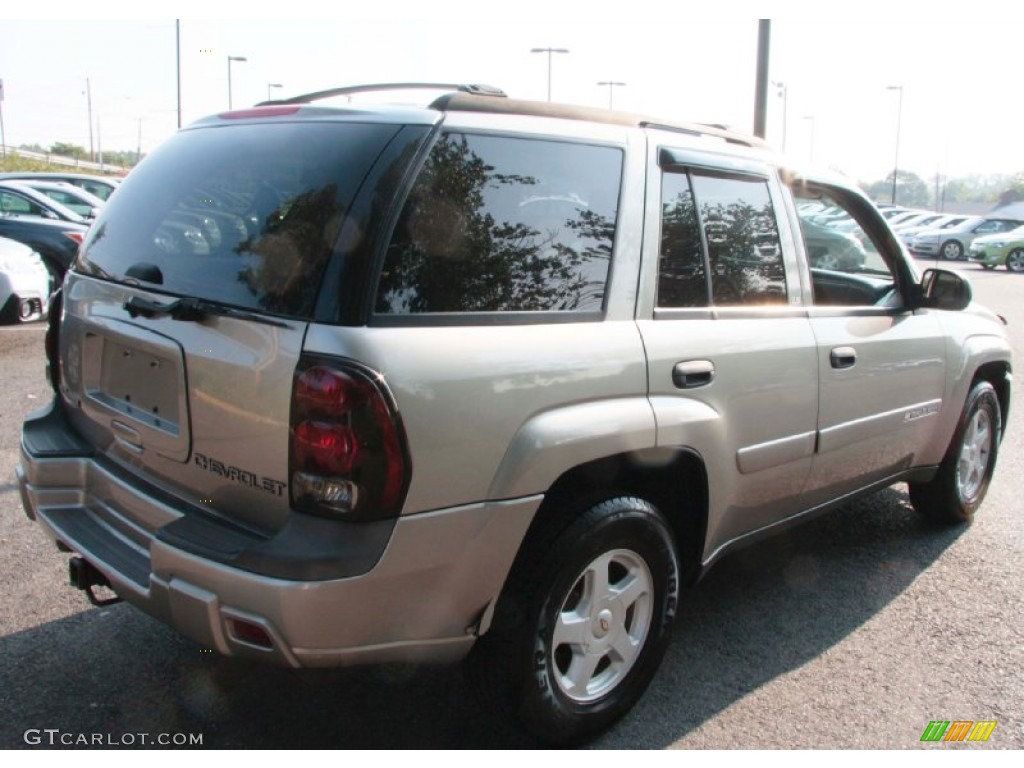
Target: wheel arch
1000 375
674 480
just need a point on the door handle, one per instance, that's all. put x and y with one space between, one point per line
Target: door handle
693 373
843 357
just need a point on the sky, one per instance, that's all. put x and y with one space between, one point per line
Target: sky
957 66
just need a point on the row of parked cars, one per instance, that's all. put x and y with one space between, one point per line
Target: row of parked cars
43 219
989 241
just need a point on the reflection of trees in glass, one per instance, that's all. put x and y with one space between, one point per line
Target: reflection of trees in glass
291 250
745 255
455 250
681 278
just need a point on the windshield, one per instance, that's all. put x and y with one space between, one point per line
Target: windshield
245 214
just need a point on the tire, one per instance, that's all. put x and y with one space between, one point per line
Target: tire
582 624
951 250
1015 260
960 484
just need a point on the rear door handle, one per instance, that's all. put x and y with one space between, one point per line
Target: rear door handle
843 357
693 373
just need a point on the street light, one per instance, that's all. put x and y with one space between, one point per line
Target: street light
549 51
230 59
88 101
272 85
784 93
810 118
611 86
899 119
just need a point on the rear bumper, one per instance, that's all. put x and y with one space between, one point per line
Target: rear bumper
420 596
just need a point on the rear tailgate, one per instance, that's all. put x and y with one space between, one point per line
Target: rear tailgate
198 407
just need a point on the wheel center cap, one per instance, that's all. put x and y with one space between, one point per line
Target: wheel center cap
602 623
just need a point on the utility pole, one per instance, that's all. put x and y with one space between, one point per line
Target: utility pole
764 37
177 47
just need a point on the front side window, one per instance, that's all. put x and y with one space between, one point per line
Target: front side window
847 265
740 249
500 224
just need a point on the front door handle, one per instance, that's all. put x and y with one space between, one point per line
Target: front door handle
693 373
843 357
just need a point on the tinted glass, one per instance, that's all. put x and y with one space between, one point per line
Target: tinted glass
682 278
246 215
497 224
744 251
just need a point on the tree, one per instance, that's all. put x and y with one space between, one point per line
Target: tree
67 150
911 190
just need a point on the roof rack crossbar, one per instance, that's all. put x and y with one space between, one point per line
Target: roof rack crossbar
348 90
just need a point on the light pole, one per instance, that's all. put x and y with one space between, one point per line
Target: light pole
899 119
784 93
810 119
230 59
272 85
549 51
611 87
88 102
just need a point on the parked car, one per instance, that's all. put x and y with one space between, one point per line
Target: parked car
100 186
1007 249
953 243
946 222
55 241
18 198
486 379
922 219
75 198
24 283
828 248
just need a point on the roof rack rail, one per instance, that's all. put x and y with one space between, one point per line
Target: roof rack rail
348 90
708 129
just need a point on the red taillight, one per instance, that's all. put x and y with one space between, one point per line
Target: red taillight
348 455
78 237
328 449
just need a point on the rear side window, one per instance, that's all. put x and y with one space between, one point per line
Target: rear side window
500 224
246 215
719 242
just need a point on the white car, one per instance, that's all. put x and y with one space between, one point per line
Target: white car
24 283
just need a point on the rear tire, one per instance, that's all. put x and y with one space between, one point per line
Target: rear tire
582 624
959 487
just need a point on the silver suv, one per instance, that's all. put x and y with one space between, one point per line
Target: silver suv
485 380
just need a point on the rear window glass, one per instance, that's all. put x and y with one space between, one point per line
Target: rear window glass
504 224
244 215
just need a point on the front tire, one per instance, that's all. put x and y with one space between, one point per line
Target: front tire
583 623
951 250
959 487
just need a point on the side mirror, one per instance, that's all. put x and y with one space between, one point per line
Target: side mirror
942 289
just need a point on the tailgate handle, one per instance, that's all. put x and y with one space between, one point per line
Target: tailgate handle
127 437
693 373
843 357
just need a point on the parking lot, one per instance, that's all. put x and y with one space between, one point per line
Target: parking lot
853 631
